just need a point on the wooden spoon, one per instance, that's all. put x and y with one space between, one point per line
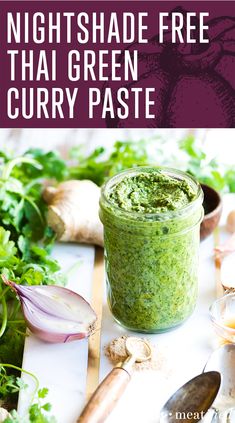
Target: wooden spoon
109 391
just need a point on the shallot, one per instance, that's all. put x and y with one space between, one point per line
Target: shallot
54 314
227 247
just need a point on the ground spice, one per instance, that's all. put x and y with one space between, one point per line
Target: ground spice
116 352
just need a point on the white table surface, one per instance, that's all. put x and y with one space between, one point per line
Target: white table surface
182 352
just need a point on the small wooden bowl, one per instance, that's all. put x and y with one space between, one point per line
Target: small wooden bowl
213 208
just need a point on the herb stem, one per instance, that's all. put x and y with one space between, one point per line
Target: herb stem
20 332
31 184
15 310
18 160
4 316
35 207
3 293
12 366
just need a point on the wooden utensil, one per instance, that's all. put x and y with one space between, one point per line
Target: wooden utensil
109 391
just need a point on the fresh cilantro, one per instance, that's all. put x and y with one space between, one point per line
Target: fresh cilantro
102 163
39 407
42 393
9 383
206 171
53 166
25 244
8 249
97 167
38 411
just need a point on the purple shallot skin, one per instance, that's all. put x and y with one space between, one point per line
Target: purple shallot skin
54 314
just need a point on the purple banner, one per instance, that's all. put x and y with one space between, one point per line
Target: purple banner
96 64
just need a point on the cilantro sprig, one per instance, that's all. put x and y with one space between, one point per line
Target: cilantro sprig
187 154
25 244
12 384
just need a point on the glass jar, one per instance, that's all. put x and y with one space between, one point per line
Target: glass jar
151 259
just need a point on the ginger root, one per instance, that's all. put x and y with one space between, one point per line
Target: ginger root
73 211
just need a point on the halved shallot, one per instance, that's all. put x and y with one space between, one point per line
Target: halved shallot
54 314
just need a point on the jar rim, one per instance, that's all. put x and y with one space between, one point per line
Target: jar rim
113 180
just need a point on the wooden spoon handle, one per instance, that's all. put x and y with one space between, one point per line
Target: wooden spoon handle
105 397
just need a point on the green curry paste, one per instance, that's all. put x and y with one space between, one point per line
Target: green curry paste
151 223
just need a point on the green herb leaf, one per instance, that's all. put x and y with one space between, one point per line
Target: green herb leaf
52 165
42 393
